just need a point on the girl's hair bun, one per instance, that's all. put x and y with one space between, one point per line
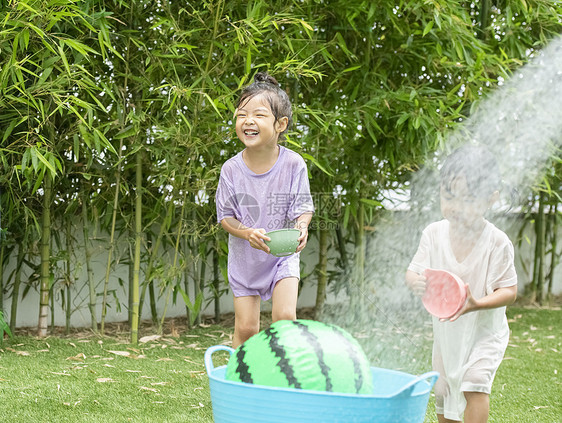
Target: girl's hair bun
265 77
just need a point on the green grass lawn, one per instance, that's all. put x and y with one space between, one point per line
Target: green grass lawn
94 379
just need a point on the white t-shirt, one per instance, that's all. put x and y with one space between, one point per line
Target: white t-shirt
468 351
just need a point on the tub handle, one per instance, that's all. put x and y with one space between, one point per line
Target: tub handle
209 353
406 390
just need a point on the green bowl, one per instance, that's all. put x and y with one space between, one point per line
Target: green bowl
284 242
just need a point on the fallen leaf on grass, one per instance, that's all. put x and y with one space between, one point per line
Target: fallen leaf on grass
200 405
121 353
78 357
132 371
60 374
192 346
149 338
73 405
23 353
44 351
108 365
144 388
104 379
538 407
137 357
159 383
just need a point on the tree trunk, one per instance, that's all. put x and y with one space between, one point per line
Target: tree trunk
68 279
186 276
540 250
484 18
137 258
553 215
149 280
2 252
45 272
90 272
111 241
359 268
152 298
17 283
199 286
130 278
342 248
216 282
322 272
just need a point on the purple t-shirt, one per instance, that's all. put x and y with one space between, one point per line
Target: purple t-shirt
272 200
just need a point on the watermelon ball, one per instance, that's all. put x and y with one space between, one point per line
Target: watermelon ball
302 354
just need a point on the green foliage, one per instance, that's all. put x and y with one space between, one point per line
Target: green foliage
92 91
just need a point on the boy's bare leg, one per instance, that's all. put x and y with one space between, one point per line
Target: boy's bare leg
477 407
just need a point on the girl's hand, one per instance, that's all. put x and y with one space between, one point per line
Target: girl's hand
416 283
256 238
303 238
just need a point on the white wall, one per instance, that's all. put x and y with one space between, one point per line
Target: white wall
28 309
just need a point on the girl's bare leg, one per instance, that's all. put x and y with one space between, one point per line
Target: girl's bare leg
246 318
284 299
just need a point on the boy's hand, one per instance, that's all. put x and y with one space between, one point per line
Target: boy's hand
256 238
468 306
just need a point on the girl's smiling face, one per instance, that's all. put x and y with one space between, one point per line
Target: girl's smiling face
256 126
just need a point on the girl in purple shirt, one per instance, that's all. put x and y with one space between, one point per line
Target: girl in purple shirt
263 188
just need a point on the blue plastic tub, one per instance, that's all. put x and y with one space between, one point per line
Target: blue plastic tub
397 398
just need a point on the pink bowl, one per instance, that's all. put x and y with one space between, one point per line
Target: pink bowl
445 293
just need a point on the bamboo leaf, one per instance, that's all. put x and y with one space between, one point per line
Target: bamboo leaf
63 57
370 202
34 160
79 47
126 132
427 28
316 163
46 162
10 128
44 75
